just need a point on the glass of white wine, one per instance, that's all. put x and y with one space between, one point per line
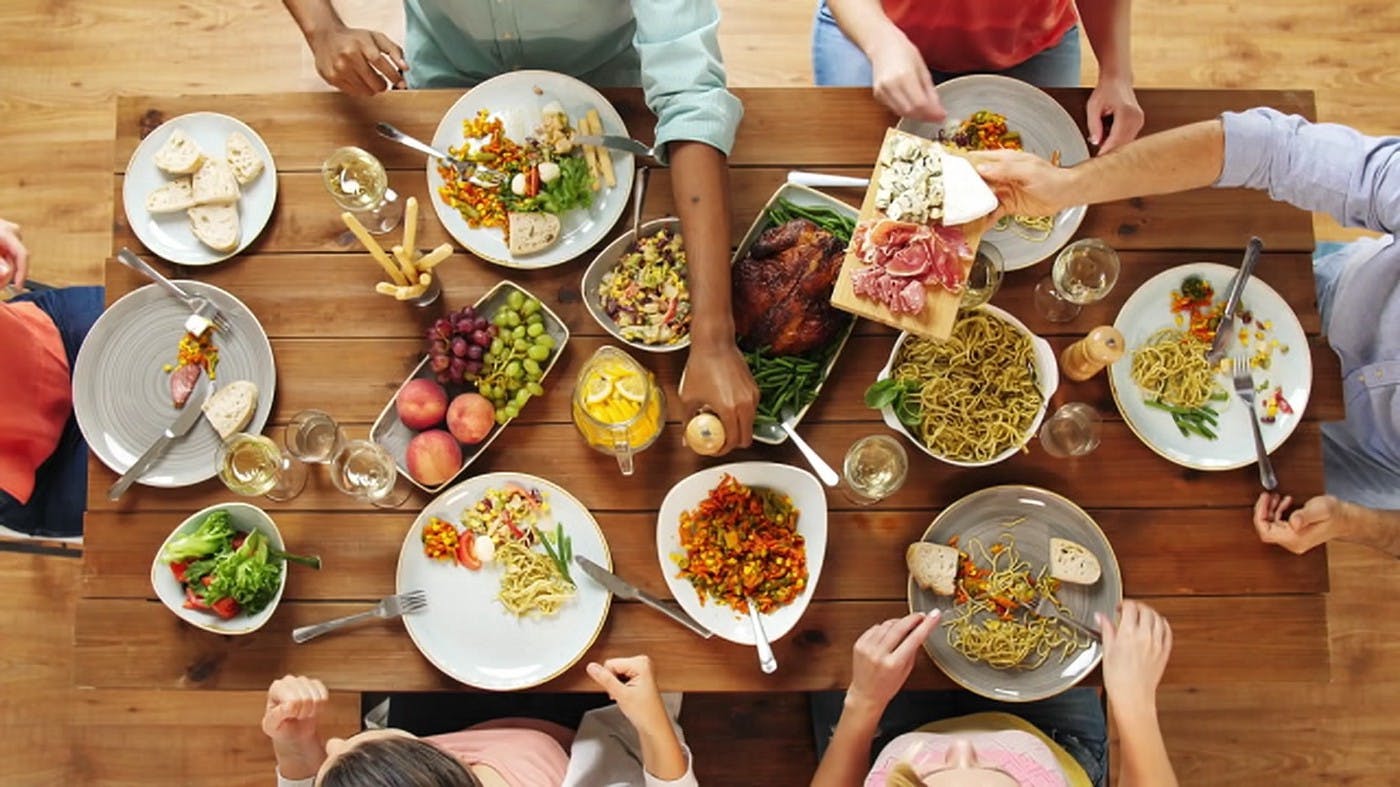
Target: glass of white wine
984 277
875 468
358 183
365 471
1084 272
253 465
1073 430
313 436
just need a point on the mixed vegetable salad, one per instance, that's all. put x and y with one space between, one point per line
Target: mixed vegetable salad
646 294
225 571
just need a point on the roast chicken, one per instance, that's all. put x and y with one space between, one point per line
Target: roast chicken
782 289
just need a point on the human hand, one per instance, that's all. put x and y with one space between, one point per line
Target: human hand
1025 184
1319 520
631 683
902 80
293 702
358 62
14 257
1135 653
718 379
883 658
1113 97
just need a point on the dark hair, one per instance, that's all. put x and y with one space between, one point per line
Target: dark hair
398 762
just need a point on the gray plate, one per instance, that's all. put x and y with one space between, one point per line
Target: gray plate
981 515
605 262
1045 128
121 393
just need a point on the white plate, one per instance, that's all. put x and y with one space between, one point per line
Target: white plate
1149 310
121 393
808 498
168 235
512 98
1045 128
466 633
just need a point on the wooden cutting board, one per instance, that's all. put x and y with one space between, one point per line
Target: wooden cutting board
940 310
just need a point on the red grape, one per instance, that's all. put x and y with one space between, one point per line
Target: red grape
458 368
440 363
459 347
474 352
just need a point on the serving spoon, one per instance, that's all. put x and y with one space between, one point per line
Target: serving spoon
766 660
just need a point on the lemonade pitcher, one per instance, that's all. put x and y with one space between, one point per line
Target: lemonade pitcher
618 407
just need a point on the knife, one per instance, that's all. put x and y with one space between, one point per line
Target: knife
614 142
1232 304
177 428
624 589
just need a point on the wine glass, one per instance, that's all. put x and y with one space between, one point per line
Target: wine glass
313 436
1084 272
253 465
365 471
359 184
876 466
984 277
1072 431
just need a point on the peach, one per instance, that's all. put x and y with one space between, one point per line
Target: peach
433 457
470 418
421 404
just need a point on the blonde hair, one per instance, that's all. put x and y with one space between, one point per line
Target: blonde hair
903 775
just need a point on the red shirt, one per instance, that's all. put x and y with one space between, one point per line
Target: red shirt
34 395
981 35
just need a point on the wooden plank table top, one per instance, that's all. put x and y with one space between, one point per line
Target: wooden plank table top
1182 537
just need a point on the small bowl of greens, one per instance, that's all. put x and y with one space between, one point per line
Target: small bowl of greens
223 569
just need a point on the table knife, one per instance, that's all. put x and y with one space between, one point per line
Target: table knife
624 589
1232 302
177 428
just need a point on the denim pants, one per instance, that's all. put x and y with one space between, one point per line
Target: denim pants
1074 720
60 484
838 62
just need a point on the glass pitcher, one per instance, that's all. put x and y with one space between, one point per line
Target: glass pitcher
617 406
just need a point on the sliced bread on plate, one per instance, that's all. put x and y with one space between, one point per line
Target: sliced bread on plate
214 183
245 160
180 155
933 566
230 408
1073 562
175 196
532 233
216 226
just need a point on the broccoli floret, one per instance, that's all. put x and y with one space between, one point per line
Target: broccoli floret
212 536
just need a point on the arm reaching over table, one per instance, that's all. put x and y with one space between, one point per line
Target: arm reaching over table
901 78
1107 24
1135 653
355 61
293 703
1322 519
631 683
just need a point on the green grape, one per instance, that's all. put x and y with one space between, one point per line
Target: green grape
486 390
530 306
535 319
546 341
498 346
521 397
516 299
537 352
535 388
499 319
512 319
534 330
514 370
518 332
512 411
521 345
532 367
501 417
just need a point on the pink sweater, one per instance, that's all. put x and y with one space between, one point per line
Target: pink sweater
525 752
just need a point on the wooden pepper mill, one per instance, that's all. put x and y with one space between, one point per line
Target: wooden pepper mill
1088 356
705 434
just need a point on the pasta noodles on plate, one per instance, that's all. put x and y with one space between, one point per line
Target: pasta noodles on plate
1171 365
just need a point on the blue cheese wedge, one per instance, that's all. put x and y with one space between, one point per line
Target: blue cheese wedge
910 187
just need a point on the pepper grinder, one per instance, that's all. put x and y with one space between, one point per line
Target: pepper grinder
1088 356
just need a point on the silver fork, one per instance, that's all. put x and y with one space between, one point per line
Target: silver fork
389 607
197 304
1244 389
1047 609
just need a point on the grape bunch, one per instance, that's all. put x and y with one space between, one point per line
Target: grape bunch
457 345
514 363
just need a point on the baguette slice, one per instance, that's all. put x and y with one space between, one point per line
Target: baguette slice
1072 562
230 408
933 566
180 155
245 160
214 183
532 233
175 196
216 226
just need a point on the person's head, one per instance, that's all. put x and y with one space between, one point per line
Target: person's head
390 758
960 768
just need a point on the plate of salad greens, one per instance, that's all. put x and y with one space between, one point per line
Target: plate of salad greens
223 569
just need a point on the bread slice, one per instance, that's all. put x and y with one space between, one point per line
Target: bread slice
933 566
245 160
532 233
216 226
175 196
180 155
230 408
214 183
1072 562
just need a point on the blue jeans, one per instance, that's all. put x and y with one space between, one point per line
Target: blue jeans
838 62
60 484
1074 720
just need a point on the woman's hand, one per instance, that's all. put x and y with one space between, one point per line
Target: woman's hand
1025 184
358 62
902 80
632 685
14 257
884 657
1135 653
1113 97
293 703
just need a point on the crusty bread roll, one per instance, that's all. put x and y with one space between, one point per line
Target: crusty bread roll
1072 562
230 408
216 226
214 183
933 566
245 160
180 155
532 233
175 196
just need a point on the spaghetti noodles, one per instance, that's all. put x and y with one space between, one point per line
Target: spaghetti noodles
1172 367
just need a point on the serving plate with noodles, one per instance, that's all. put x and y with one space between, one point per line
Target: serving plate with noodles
1165 361
469 629
980 396
1034 658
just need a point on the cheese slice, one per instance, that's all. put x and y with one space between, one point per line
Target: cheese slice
966 197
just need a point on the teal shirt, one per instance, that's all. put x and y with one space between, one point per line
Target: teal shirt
668 47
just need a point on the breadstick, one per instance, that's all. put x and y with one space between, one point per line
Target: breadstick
590 154
405 260
385 288
430 260
410 227
604 157
409 293
373 248
425 279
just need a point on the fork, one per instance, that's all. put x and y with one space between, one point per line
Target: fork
198 304
389 607
1047 609
1244 389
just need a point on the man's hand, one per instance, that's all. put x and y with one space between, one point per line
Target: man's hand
718 379
631 683
884 657
358 62
293 702
14 257
1113 98
1315 523
902 80
1135 653
1025 184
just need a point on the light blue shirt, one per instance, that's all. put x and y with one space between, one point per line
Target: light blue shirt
668 47
1356 179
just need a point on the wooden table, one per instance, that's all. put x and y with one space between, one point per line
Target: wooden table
1183 537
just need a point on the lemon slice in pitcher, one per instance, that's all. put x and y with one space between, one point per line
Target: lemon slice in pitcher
631 387
597 389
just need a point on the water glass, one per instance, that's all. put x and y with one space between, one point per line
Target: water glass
876 466
313 436
984 277
1073 430
366 472
253 465
1083 273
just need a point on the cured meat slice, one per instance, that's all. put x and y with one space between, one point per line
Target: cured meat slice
182 382
899 255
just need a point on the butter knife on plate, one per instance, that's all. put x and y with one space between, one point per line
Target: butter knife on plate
177 429
1232 302
626 590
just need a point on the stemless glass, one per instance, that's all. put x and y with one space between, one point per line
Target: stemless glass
984 277
253 465
359 184
876 467
1084 272
365 471
1072 431
313 436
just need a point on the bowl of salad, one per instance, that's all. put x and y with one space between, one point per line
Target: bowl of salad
638 291
223 569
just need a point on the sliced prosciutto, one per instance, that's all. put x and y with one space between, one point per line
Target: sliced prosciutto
904 259
182 382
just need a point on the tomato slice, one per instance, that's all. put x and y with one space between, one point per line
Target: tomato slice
466 552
